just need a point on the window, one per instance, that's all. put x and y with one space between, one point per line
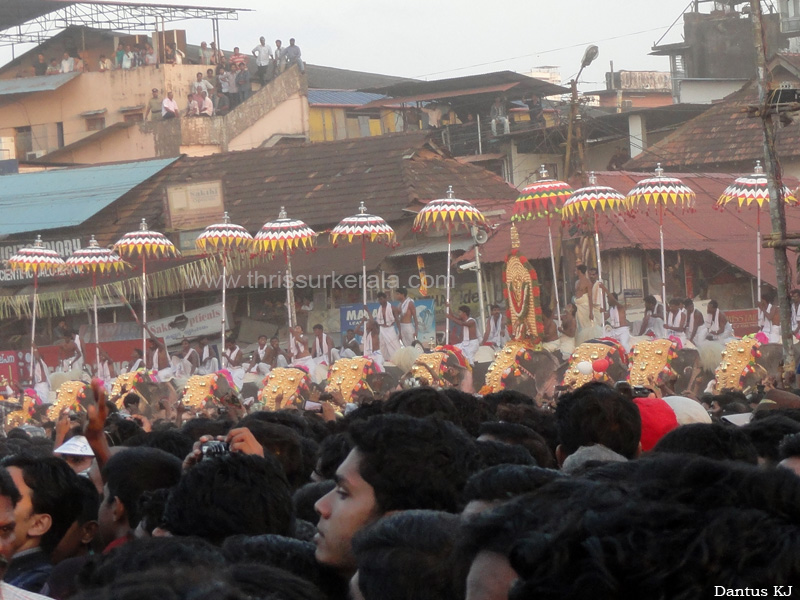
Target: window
135 117
60 134
95 123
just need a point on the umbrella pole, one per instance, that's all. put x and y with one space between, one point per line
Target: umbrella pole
224 286
555 275
758 251
663 266
364 269
447 293
33 322
144 310
289 290
599 269
96 325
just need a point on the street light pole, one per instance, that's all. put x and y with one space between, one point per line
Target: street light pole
574 120
775 187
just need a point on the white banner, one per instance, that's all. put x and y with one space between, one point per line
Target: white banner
190 324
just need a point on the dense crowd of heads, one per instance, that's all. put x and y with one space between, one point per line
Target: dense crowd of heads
428 494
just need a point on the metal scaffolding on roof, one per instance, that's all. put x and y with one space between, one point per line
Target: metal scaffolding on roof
52 16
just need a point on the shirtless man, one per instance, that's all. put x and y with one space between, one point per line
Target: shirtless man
258 361
583 298
694 320
469 344
233 362
159 361
617 321
371 338
599 294
186 361
676 320
406 314
69 353
208 358
716 326
276 356
653 317
298 347
568 329
323 345
550 327
390 340
349 348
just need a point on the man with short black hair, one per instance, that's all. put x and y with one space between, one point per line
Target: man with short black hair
406 317
127 475
470 342
389 339
397 463
51 500
9 499
323 345
596 414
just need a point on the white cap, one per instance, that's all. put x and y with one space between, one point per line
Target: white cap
75 446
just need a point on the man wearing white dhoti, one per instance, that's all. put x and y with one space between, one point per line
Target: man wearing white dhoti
208 358
470 342
617 322
41 377
496 330
406 317
390 340
232 361
694 321
716 327
675 324
323 346
653 321
298 349
185 362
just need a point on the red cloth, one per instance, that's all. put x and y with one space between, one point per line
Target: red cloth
658 419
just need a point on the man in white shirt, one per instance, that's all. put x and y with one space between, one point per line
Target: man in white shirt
263 54
67 63
206 106
406 316
169 108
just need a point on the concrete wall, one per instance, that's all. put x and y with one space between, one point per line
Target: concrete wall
706 92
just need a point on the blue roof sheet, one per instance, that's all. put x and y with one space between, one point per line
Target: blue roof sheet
67 197
341 97
29 85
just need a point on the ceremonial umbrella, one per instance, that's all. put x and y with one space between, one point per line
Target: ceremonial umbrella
95 258
449 214
543 198
224 238
35 259
145 244
662 192
363 226
752 191
285 235
595 199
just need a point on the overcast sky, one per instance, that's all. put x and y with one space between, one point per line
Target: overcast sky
434 39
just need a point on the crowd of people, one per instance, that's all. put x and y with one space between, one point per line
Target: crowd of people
417 494
226 83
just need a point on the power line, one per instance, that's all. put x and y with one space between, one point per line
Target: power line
578 45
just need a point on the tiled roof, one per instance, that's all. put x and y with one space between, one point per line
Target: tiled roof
723 137
319 183
729 234
341 97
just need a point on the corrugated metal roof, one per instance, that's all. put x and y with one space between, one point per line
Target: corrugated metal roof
432 246
30 85
67 197
341 97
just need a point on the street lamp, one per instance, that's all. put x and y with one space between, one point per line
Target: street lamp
589 55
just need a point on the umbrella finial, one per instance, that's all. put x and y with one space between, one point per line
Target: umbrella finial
93 242
38 243
282 213
450 192
143 225
758 169
659 170
592 178
225 217
514 236
362 208
543 174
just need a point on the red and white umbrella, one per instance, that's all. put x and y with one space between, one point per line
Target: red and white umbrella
543 199
145 244
751 191
222 239
593 199
35 259
662 193
448 214
285 235
367 227
96 259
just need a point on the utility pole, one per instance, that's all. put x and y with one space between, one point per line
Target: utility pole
775 186
574 127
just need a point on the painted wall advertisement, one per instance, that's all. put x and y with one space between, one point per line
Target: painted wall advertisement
190 324
743 322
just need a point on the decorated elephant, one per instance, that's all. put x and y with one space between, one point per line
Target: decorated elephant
738 368
348 376
602 359
288 385
650 363
212 392
444 367
519 367
72 395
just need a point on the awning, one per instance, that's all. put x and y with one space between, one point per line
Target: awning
432 246
94 113
31 85
67 197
